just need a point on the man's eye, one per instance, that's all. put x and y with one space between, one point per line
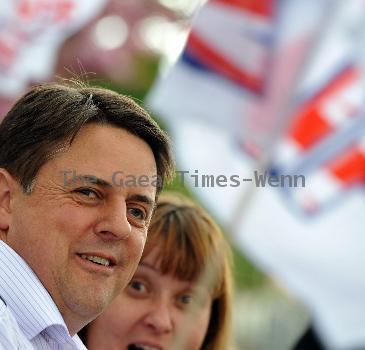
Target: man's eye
137 213
89 193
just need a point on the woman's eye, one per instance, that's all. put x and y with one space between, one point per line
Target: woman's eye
186 299
137 286
89 193
195 298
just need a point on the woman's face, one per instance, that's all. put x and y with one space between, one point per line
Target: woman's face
152 312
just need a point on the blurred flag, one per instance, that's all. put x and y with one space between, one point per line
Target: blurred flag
333 106
333 179
242 57
253 70
31 31
249 26
325 142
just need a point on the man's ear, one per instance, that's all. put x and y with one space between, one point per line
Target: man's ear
7 183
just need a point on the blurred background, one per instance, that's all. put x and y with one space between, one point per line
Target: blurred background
270 86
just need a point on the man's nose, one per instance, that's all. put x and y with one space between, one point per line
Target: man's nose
114 224
159 317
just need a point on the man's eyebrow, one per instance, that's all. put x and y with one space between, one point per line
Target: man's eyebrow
103 183
143 198
92 179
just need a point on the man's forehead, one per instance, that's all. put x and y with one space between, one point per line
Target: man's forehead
104 147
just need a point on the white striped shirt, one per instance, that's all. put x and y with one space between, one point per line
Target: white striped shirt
29 318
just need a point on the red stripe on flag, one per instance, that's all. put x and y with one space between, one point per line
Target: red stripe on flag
309 127
350 167
346 77
259 7
220 64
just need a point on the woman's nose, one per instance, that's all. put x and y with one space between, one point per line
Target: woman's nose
159 317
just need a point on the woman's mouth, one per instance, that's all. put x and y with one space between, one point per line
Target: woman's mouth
140 346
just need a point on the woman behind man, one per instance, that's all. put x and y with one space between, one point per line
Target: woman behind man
165 302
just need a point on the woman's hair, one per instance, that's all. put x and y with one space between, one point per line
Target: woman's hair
189 243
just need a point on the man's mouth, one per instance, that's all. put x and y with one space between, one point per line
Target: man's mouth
139 346
97 259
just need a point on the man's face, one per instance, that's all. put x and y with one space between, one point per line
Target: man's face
68 220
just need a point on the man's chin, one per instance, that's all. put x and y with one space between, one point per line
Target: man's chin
84 305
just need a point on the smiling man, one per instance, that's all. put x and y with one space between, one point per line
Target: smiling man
69 245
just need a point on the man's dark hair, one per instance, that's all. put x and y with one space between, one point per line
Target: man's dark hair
49 116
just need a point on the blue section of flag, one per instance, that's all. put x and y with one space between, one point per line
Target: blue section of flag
194 62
